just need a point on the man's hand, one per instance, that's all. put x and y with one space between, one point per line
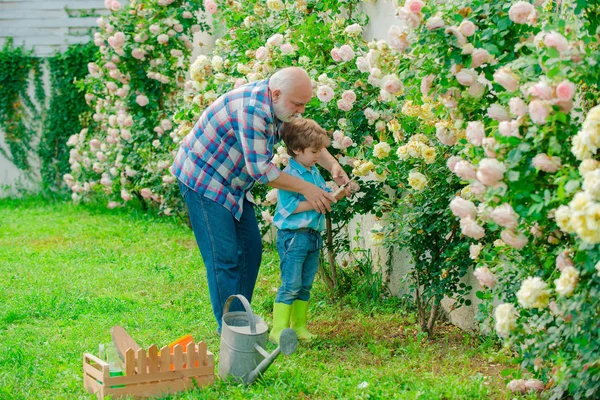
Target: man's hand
319 198
340 177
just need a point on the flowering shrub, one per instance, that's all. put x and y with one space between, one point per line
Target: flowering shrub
132 88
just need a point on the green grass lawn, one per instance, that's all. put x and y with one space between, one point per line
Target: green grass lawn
69 273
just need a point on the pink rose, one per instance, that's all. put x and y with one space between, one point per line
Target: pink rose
507 79
471 229
474 251
142 100
485 277
509 128
335 54
163 39
463 208
112 204
210 6
397 38
414 6
497 112
505 216
344 105
362 64
176 53
435 23
465 170
490 171
479 57
347 142
535 385
466 77
539 110
563 261
166 124
546 163
95 144
452 161
426 84
565 90
518 107
541 90
477 90
516 240
457 33
138 53
475 132
111 86
125 195
522 12
556 40
445 135
286 48
349 96
467 28
325 93
477 188
275 40
261 53
346 53
392 84
517 386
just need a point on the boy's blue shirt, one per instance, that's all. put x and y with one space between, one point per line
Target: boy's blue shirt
288 201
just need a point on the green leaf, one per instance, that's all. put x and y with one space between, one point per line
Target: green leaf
552 52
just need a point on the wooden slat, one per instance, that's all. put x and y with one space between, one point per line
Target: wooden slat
32 32
141 361
160 376
130 363
49 23
16 13
50 40
93 387
53 5
210 357
165 359
153 359
177 360
190 355
202 359
92 371
159 388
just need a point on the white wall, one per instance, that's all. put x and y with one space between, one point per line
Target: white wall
45 27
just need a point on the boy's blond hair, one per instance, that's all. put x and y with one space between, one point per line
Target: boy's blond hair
301 133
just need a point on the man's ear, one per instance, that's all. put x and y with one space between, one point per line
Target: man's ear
276 94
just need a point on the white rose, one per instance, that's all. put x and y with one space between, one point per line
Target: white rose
506 319
565 284
533 293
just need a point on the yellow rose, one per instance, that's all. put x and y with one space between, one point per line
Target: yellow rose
417 180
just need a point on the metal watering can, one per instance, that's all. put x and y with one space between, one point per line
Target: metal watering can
243 338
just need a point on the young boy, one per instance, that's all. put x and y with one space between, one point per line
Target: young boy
299 235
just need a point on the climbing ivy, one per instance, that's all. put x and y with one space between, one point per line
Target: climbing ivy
19 116
67 103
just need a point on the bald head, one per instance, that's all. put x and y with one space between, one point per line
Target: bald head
291 90
290 79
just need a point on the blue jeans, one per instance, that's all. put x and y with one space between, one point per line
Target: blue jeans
231 249
299 262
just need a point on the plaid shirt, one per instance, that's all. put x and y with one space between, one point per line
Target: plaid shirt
230 147
287 202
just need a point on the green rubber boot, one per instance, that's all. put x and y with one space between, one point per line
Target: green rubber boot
298 320
281 320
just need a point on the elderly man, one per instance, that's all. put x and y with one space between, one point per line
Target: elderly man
220 160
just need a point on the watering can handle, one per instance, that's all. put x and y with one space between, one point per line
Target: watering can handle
246 306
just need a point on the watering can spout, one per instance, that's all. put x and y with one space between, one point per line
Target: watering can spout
288 341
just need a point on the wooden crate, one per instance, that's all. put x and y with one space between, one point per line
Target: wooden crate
152 372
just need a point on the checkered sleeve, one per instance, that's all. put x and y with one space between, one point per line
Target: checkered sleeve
252 136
